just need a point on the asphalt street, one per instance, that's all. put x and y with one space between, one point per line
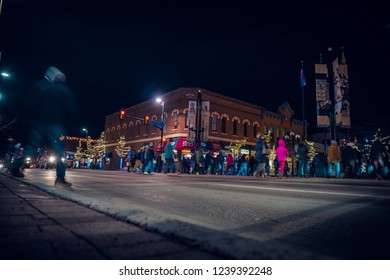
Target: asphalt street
236 217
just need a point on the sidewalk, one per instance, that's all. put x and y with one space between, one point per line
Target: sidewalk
35 225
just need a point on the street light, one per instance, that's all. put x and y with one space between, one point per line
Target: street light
86 132
4 75
161 101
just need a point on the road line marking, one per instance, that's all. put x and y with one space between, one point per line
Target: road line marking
304 191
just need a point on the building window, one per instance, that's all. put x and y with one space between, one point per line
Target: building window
246 129
254 131
265 130
214 123
186 119
224 125
175 121
235 125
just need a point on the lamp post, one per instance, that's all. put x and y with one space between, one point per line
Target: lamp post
3 75
86 132
161 101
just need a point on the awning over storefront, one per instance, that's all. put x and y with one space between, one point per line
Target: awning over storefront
183 144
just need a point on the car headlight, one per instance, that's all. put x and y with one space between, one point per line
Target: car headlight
52 159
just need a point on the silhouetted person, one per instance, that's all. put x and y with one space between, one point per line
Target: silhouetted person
379 155
52 109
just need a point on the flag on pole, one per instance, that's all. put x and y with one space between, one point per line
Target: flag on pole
303 81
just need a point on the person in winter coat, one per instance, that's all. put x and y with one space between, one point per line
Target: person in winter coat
334 159
16 161
260 157
281 155
302 152
379 155
221 162
229 163
128 162
149 156
52 108
169 161
243 165
350 160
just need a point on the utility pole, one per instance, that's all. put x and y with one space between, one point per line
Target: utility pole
332 118
303 84
198 118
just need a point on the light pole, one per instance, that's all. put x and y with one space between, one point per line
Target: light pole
86 132
3 75
161 101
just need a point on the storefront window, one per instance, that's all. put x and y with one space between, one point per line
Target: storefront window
224 125
214 123
246 129
175 121
235 125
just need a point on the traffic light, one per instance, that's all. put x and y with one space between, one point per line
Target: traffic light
122 114
146 120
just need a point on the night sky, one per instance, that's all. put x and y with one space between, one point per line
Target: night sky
118 53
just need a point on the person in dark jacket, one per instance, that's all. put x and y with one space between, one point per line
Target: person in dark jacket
169 160
260 157
379 155
243 166
350 160
149 157
53 108
302 152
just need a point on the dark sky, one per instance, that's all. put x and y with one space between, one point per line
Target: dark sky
119 53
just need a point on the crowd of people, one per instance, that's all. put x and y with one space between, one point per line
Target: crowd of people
338 162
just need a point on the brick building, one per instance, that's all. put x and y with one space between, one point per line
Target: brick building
224 120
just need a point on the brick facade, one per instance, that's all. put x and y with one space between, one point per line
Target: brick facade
234 111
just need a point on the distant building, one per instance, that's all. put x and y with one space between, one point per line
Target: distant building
224 120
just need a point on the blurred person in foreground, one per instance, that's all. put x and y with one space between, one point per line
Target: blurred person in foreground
52 109
379 156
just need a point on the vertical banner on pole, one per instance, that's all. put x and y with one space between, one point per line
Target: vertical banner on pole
191 120
205 120
322 95
341 94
